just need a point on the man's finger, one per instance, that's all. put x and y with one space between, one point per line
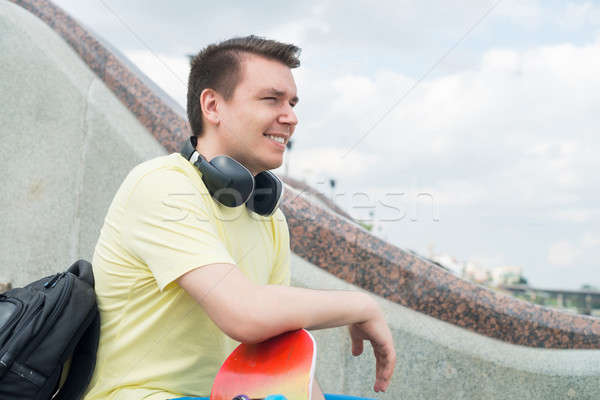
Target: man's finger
385 362
357 347
387 367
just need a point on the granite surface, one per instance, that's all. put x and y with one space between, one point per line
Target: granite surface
336 244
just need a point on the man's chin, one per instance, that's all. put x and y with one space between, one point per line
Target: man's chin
273 164
262 165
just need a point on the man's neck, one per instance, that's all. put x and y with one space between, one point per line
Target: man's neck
209 147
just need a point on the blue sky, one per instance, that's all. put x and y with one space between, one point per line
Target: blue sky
495 114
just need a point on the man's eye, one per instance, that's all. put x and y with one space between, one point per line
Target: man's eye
269 98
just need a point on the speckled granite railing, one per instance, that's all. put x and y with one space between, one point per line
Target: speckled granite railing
337 245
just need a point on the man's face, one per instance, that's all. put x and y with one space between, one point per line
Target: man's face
258 120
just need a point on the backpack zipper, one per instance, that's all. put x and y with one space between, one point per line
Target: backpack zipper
58 308
52 282
7 358
60 303
8 325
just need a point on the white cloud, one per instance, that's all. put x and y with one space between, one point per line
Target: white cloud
566 253
518 125
591 241
526 13
297 31
577 15
502 60
562 254
352 90
577 215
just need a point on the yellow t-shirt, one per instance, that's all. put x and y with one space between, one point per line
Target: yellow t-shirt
156 342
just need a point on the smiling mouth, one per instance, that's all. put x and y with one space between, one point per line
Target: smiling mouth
278 139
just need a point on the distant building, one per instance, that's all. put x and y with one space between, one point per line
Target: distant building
476 273
507 275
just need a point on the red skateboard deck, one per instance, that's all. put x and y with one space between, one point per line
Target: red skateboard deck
284 364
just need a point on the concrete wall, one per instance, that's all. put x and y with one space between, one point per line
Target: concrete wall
67 143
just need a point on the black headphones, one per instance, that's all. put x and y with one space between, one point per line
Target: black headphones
231 184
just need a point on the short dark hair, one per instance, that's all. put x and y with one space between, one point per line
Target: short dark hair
218 66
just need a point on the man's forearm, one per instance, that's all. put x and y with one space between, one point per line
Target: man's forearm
281 309
248 312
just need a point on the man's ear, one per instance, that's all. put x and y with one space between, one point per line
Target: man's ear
209 100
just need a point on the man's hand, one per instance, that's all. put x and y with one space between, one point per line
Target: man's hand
378 333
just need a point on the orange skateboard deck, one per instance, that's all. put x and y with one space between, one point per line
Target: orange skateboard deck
284 364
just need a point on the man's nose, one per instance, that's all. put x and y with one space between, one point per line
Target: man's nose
288 117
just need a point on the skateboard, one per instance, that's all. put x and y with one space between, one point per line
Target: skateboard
283 365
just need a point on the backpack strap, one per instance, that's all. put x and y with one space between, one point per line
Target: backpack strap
83 270
83 362
83 359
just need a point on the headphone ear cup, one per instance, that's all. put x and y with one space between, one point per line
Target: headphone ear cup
228 181
268 191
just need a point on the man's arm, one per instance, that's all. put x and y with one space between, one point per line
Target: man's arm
252 313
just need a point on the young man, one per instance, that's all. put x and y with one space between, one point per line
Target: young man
181 278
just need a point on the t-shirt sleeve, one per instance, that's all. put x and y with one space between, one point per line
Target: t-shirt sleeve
167 225
281 273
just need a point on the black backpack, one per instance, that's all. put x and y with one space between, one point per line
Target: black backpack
42 325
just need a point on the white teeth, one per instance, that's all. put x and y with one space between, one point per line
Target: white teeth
276 138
